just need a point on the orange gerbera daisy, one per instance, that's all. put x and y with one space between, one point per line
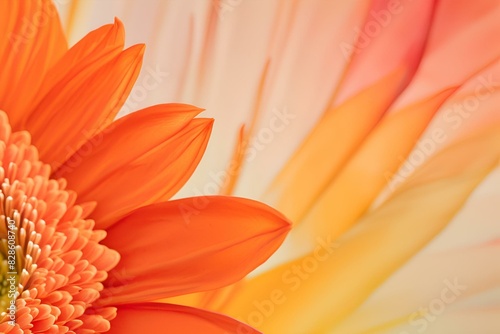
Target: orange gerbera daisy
89 237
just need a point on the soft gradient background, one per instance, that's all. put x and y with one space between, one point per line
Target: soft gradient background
245 61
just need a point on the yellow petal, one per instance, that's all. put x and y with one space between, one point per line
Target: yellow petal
303 178
369 170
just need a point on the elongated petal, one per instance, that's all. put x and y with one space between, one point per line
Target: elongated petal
174 319
337 281
90 53
369 170
82 60
310 169
86 57
163 147
31 42
190 245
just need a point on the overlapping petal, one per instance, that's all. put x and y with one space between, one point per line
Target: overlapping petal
149 170
358 100
74 116
368 171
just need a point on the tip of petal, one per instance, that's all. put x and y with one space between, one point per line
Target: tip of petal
140 48
202 126
118 23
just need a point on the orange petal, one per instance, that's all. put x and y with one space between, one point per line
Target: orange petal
85 58
31 42
163 147
81 105
190 245
163 318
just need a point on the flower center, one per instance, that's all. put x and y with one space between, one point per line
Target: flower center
51 262
19 249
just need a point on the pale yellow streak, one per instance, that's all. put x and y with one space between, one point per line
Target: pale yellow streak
70 21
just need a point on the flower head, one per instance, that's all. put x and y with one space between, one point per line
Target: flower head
89 237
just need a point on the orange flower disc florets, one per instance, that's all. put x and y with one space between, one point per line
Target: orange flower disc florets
51 263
